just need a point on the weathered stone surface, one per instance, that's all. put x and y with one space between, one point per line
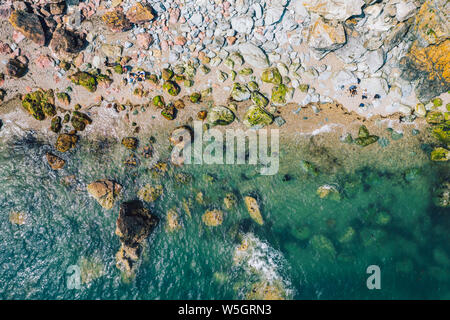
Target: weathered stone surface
15 68
65 142
336 9
431 22
140 13
116 20
105 192
430 66
134 223
254 55
65 42
55 162
29 25
220 115
326 36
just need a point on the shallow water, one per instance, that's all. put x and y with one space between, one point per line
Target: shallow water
65 226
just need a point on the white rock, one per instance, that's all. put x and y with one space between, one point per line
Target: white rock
339 10
375 86
254 55
196 19
242 24
326 36
405 10
274 15
375 60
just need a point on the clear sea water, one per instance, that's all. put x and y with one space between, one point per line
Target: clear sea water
65 226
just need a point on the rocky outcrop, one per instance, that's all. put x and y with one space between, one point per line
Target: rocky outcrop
106 192
339 10
326 36
133 226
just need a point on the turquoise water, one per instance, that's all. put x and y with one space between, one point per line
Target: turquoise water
395 226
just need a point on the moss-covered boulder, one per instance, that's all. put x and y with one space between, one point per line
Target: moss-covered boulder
80 120
240 92
435 117
195 97
63 98
40 104
158 101
279 95
85 80
106 192
257 117
220 116
169 112
171 88
272 75
55 125
167 74
442 133
365 138
65 142
259 99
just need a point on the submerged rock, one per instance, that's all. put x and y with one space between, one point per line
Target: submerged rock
267 291
364 138
150 193
323 245
253 209
130 143
173 223
442 195
329 192
309 168
55 162
213 218
65 142
29 25
230 201
106 192
17 217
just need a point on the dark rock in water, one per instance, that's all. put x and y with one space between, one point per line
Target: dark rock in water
66 42
55 162
16 68
29 25
134 223
65 142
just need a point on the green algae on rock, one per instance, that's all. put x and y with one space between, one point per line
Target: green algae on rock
158 101
257 117
259 99
55 125
220 116
40 104
364 138
309 168
279 94
65 142
80 120
240 92
171 88
440 154
85 80
272 75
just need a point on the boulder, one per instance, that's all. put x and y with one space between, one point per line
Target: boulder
55 162
85 80
39 104
254 56
105 192
240 92
16 68
339 10
66 43
140 13
130 143
274 14
116 20
271 75
220 116
29 25
257 117
329 192
326 36
242 24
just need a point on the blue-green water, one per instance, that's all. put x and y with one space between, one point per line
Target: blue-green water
65 226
